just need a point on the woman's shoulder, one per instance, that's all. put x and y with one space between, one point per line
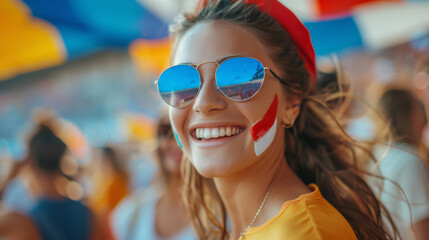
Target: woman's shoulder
309 216
133 209
132 206
396 155
313 214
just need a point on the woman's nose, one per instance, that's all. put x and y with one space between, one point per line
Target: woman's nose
209 99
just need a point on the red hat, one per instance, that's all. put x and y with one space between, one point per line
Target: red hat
296 30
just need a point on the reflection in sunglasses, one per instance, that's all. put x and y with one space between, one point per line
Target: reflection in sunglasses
243 90
238 78
180 98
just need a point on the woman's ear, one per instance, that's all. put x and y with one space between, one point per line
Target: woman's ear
291 111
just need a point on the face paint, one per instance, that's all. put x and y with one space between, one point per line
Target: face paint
177 139
264 130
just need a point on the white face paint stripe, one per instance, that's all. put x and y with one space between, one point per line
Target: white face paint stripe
264 142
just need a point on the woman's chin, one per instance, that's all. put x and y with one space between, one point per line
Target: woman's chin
211 173
215 169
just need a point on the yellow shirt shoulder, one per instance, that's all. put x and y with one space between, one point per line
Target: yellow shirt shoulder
308 217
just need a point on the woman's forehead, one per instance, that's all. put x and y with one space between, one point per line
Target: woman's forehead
216 40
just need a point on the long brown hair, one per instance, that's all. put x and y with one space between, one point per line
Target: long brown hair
317 150
398 106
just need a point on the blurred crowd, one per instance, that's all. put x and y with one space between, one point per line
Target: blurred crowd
132 189
52 195
98 159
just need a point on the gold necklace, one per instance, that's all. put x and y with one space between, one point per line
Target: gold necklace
242 234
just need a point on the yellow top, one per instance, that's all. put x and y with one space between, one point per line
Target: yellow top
307 217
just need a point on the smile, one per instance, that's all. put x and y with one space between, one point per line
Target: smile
219 132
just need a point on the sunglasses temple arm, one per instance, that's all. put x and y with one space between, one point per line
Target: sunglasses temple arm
276 76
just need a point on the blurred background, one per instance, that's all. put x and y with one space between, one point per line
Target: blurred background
91 66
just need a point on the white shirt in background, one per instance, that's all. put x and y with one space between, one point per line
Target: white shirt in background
398 164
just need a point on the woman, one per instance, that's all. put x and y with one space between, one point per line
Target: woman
261 149
157 213
402 165
111 185
111 182
53 216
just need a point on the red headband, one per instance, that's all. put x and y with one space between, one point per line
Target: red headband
296 30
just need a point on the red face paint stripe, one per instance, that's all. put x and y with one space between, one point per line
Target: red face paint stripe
261 127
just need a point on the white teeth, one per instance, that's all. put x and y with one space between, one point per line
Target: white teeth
222 132
208 133
215 133
228 131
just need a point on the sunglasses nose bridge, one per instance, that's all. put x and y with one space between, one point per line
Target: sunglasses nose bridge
204 63
214 82
207 74
208 98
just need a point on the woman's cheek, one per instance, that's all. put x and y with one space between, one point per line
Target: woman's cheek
177 119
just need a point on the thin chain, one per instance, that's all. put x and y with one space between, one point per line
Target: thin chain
242 234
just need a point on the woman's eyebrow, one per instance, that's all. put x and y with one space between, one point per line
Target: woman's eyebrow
226 58
217 60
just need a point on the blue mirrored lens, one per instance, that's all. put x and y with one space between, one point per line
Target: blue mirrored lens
178 85
240 78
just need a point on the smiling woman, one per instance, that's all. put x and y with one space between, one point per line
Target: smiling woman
261 148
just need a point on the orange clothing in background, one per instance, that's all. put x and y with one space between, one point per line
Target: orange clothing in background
108 191
309 216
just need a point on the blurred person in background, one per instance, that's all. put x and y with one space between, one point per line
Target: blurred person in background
111 184
13 192
54 216
402 166
111 180
157 212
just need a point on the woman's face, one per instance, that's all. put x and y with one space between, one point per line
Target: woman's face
418 121
224 156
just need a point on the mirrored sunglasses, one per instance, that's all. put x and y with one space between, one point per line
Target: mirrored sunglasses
238 78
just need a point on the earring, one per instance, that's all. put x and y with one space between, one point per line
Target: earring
287 125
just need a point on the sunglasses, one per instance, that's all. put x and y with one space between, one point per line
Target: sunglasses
237 78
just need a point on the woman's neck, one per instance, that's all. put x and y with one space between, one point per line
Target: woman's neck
244 192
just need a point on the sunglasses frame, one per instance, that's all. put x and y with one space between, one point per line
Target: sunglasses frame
215 82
